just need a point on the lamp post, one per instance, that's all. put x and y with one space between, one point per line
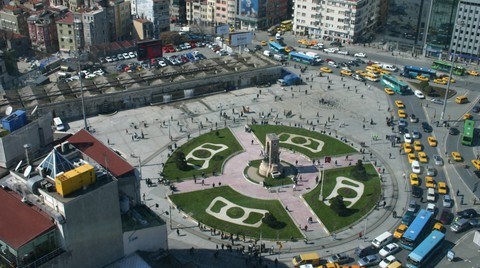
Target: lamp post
461 23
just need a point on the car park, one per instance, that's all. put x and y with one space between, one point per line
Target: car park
432 141
457 156
419 94
416 167
360 55
467 213
442 188
389 249
426 127
369 260
414 179
412 206
447 201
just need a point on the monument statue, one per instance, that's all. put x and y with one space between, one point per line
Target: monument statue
271 162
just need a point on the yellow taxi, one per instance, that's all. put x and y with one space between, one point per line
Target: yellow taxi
399 104
422 78
472 72
383 71
429 182
476 163
411 157
271 39
402 114
400 231
432 141
445 78
414 181
407 147
302 41
325 69
360 72
439 227
422 157
442 188
263 43
440 81
345 72
417 145
288 49
467 116
457 156
389 91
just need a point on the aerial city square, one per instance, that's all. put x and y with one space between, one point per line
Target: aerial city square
240 133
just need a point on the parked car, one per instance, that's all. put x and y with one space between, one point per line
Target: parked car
369 260
467 213
339 258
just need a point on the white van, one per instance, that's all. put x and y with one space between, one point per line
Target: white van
267 53
58 124
431 194
63 74
389 67
382 240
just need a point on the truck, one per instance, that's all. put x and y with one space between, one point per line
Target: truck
289 80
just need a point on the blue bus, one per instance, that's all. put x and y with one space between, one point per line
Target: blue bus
414 232
277 48
304 58
396 85
414 71
421 255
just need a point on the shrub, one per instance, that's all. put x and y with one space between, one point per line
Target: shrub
359 171
181 161
272 222
337 205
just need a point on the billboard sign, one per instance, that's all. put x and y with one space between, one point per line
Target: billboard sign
222 29
149 50
239 39
249 8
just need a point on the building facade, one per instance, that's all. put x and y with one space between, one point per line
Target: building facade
344 21
66 34
439 26
178 9
156 11
14 19
260 14
466 33
94 25
143 29
43 32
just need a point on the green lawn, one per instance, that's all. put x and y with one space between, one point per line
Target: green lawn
368 200
331 147
225 137
195 204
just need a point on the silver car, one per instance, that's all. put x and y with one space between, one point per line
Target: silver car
438 160
431 171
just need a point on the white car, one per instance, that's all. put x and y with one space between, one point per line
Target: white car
120 57
387 261
126 56
131 54
89 76
416 167
360 55
447 201
431 207
438 160
333 64
162 63
389 249
108 59
419 94
407 138
342 52
431 195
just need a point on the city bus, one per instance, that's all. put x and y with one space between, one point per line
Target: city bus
396 85
286 25
446 66
304 58
428 248
468 132
414 232
277 48
414 71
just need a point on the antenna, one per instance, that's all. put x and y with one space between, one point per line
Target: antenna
18 165
27 171
9 110
34 110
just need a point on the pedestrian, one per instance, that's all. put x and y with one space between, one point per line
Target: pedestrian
213 185
203 182
389 155
108 141
306 228
458 192
294 186
144 197
286 208
178 232
360 235
194 180
252 141
394 214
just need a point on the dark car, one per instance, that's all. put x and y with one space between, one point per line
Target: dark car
476 109
446 216
453 131
408 217
258 47
360 61
336 44
426 127
416 191
467 213
362 251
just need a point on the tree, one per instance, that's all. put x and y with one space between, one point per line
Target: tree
172 38
359 171
272 221
181 161
338 205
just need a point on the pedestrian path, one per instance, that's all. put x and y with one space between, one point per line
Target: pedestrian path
289 196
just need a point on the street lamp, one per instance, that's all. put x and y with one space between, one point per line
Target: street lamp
461 23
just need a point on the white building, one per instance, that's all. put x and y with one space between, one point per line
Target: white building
466 34
340 20
156 11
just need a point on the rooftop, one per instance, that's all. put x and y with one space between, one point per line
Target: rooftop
20 222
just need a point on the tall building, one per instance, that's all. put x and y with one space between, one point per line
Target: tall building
156 11
123 20
178 9
66 34
260 14
466 33
345 21
95 26
439 26
14 19
143 29
43 32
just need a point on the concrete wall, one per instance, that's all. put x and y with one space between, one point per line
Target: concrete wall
138 97
38 134
148 239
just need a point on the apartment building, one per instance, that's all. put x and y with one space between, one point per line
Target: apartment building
66 34
143 29
340 20
95 26
178 9
261 14
466 33
156 11
43 32
123 20
13 18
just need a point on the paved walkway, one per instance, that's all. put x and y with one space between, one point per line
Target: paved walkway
290 197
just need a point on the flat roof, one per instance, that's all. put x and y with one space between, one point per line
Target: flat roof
20 223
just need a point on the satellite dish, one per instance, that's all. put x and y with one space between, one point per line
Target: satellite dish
34 110
18 165
9 110
27 171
